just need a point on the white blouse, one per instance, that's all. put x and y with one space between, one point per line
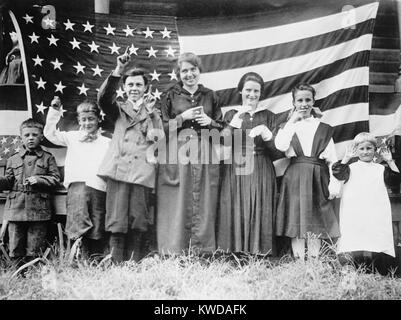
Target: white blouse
305 130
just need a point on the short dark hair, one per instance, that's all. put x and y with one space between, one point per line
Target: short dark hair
88 106
191 58
31 123
302 87
136 72
250 76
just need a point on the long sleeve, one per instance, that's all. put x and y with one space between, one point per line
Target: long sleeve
217 118
7 181
341 171
106 97
52 178
284 137
391 177
50 131
165 108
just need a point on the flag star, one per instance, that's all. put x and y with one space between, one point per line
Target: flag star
133 50
3 140
120 93
75 44
114 49
148 33
109 29
83 89
15 140
38 60
60 87
34 38
69 25
155 75
17 149
151 52
165 33
56 64
384 140
79 67
128 31
49 22
170 51
53 40
41 108
157 94
41 83
173 75
28 19
97 71
374 159
88 26
93 47
6 150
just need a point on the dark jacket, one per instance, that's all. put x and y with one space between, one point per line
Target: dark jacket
125 159
29 202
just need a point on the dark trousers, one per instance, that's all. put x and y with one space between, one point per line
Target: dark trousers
27 238
127 246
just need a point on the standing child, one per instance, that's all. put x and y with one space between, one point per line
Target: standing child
130 176
365 211
304 208
86 207
31 175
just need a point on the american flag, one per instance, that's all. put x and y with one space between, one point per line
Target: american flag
72 55
326 44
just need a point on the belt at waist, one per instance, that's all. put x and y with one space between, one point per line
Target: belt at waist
310 160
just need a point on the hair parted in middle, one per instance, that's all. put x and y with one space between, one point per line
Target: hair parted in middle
251 76
189 57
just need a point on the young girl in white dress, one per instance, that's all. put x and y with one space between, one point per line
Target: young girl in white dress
365 212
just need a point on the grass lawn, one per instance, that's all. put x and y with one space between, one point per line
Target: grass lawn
191 277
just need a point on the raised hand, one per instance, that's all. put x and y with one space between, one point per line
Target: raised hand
386 155
56 103
122 62
149 100
350 152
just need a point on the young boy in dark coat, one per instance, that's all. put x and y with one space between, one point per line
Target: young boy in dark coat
31 174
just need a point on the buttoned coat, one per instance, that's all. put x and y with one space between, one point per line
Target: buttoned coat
29 202
126 159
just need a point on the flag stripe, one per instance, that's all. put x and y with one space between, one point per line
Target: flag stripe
245 40
355 71
287 67
349 130
238 59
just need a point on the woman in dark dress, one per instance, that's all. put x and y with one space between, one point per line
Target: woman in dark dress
187 188
248 189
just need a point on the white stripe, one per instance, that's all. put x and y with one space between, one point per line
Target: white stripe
245 40
219 80
381 125
346 114
10 121
347 79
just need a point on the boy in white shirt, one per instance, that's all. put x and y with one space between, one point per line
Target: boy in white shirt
86 197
